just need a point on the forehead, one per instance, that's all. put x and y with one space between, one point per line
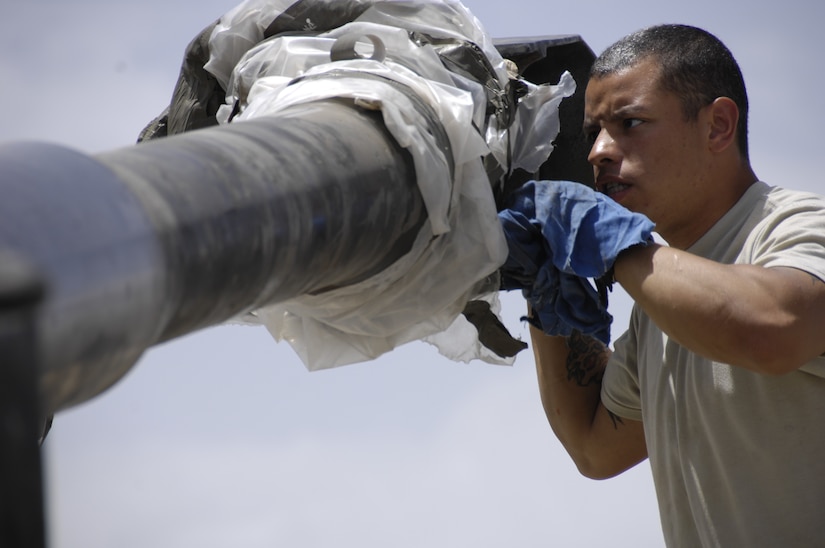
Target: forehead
637 84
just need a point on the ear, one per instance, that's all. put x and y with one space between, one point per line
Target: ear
724 116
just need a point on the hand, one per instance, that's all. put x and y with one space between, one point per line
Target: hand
559 234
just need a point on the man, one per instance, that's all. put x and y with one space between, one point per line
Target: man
720 378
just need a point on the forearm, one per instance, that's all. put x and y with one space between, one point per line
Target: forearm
569 381
744 315
570 372
570 392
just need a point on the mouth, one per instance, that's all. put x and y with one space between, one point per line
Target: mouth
612 187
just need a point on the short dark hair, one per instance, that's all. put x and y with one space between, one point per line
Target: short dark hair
695 65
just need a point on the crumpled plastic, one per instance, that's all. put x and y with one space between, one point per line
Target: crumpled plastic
559 235
271 54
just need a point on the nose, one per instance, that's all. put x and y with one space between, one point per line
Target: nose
604 149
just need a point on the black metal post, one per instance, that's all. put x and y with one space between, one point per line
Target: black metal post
21 484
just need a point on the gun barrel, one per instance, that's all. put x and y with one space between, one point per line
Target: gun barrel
146 243
142 244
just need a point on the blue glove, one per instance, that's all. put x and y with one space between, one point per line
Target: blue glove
559 234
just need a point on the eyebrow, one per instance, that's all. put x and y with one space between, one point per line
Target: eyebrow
626 111
633 109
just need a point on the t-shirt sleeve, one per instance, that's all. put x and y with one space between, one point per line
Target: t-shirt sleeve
620 386
792 236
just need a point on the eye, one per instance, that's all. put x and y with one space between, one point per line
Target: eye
630 123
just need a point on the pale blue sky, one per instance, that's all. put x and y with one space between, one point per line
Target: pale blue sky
222 439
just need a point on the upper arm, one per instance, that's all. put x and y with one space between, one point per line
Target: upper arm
768 319
788 328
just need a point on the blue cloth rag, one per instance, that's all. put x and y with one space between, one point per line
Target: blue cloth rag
559 234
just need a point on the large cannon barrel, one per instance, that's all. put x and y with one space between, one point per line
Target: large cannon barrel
146 243
103 256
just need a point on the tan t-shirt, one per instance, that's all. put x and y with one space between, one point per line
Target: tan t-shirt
738 458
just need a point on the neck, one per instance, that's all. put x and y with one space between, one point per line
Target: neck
727 191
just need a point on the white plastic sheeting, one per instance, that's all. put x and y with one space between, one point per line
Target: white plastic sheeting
459 249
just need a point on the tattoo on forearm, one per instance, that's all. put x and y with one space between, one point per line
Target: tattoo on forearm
585 360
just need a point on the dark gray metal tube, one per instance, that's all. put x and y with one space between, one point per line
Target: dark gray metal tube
150 242
21 481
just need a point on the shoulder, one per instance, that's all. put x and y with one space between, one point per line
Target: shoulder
788 230
779 198
776 205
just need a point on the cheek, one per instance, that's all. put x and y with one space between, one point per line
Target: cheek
672 163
